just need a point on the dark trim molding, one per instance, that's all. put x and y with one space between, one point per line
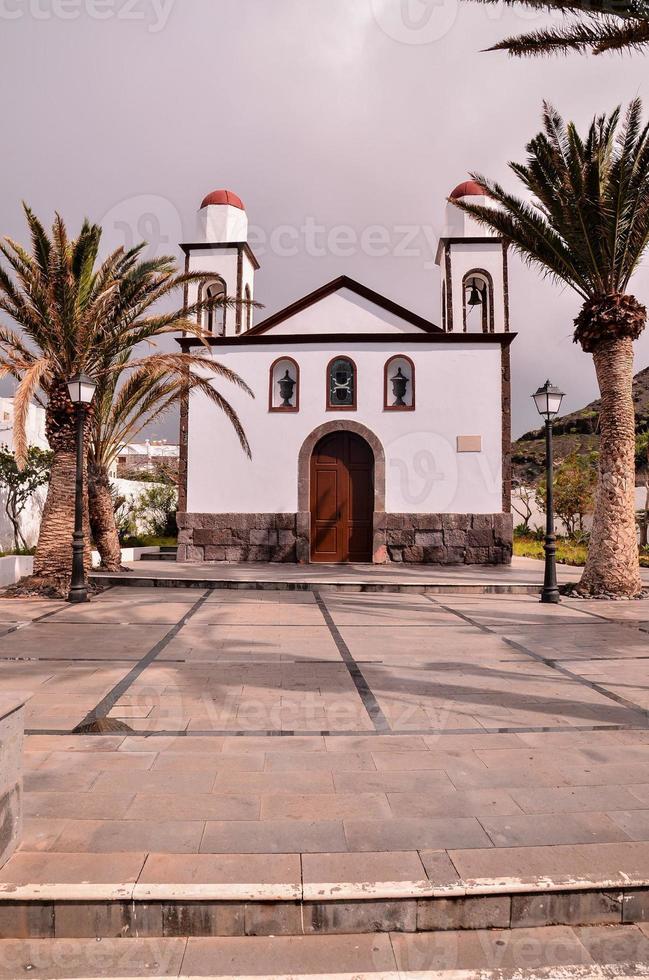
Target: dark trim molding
444 242
386 369
344 282
183 422
188 247
506 409
342 408
279 408
237 323
506 284
402 339
449 290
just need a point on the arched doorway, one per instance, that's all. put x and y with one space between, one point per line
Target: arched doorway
342 498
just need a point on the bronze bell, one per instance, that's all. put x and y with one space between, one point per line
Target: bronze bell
475 296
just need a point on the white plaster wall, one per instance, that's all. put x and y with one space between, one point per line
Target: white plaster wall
341 312
459 224
458 393
216 261
464 258
222 223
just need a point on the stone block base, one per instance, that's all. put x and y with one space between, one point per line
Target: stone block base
439 539
243 537
12 726
444 539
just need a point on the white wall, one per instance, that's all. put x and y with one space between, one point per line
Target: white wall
458 393
464 258
221 262
341 312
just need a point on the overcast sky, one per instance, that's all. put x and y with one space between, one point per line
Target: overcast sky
328 117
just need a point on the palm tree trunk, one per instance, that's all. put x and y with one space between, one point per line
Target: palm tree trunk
102 519
53 558
612 567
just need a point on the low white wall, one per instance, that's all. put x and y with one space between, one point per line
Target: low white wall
128 554
15 567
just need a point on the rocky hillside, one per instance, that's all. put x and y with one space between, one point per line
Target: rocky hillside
577 431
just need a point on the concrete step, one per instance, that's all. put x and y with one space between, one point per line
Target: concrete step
544 954
139 579
162 896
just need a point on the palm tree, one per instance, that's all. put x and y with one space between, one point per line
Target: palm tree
78 315
597 26
124 406
588 227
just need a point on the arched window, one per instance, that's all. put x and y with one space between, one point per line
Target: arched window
284 386
399 384
478 302
247 310
212 311
341 384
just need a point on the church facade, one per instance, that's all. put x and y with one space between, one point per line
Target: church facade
376 435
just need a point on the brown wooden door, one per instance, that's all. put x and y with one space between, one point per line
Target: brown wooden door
342 499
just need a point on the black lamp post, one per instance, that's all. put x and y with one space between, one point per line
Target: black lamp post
82 390
548 403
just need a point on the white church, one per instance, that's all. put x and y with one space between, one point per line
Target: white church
376 435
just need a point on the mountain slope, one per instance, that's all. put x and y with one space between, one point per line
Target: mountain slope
578 431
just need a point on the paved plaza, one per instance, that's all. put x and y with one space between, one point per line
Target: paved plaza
295 745
326 721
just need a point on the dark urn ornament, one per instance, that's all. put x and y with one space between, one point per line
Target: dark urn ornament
400 384
286 387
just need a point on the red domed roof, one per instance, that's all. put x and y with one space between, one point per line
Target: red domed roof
224 197
468 188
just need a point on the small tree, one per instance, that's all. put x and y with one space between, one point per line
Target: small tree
575 482
522 501
20 484
156 508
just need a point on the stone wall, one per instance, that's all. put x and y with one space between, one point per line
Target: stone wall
243 537
440 539
444 539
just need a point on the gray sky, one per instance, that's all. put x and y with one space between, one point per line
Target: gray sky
320 114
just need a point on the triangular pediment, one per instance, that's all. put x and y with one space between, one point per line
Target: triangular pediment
344 306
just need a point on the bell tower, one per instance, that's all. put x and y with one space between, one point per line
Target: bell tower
222 252
473 265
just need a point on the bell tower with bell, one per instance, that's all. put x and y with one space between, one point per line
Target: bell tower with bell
473 265
220 249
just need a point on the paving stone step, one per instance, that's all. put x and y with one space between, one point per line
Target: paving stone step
69 912
545 954
139 580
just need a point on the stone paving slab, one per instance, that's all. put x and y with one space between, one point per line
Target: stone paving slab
393 742
494 955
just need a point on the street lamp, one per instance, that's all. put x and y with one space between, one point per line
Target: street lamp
548 403
82 390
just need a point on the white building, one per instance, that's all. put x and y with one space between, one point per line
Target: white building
376 435
147 455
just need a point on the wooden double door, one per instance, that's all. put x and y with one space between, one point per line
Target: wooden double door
342 499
